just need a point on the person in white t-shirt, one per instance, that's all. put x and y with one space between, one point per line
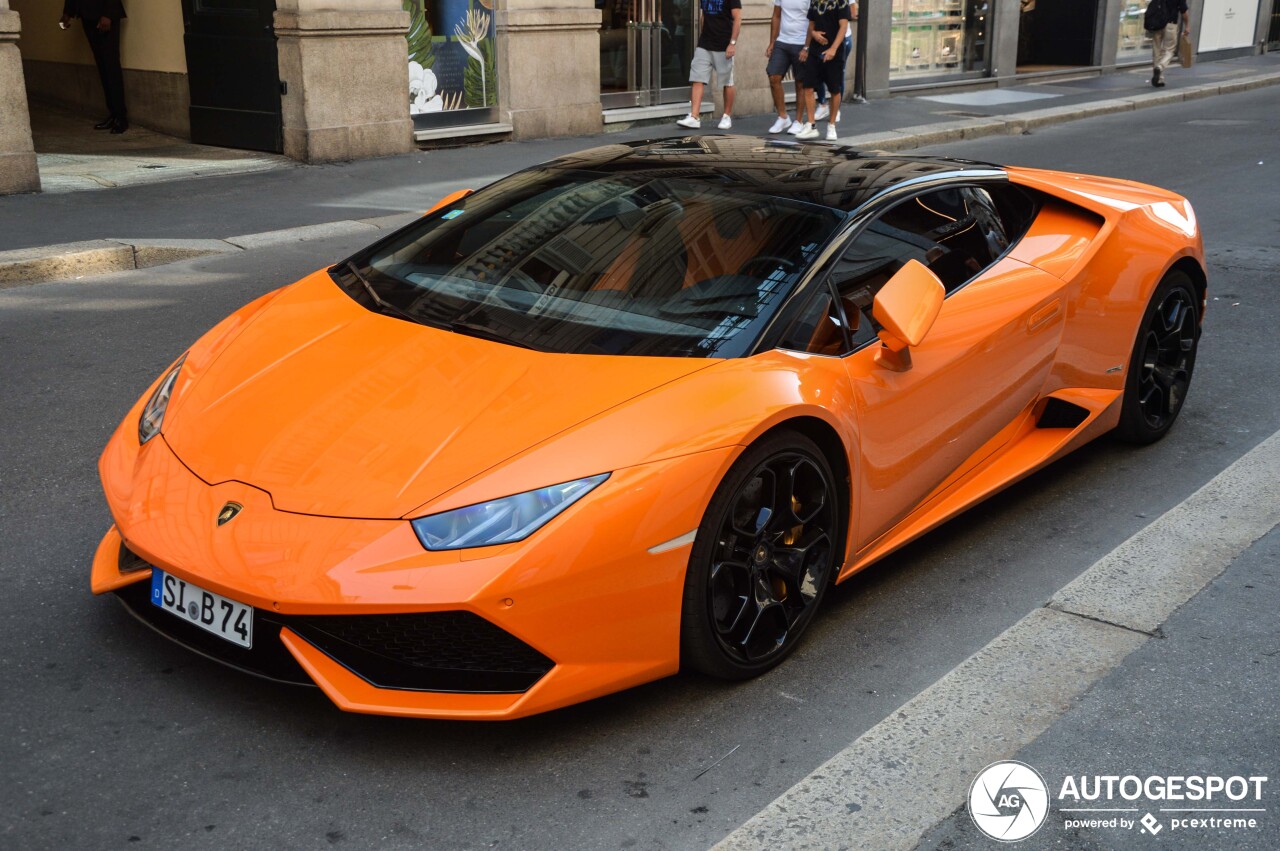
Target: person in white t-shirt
787 34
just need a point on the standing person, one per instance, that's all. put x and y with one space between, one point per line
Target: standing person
820 93
828 22
787 34
1161 23
721 21
101 21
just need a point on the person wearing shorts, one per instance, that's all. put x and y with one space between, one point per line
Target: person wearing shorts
717 44
788 31
824 58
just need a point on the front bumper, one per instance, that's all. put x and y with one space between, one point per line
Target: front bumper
584 593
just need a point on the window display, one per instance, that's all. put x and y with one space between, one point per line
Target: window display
931 37
453 75
1135 44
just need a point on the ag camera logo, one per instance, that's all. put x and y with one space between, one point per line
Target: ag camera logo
1008 801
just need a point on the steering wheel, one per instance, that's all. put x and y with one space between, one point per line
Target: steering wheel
950 229
774 261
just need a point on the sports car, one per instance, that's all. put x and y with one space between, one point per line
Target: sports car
631 411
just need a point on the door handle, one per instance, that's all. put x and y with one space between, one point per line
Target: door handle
1044 315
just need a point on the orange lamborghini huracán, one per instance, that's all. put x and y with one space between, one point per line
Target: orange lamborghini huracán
634 410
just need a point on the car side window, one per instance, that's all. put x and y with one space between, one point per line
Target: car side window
819 328
956 232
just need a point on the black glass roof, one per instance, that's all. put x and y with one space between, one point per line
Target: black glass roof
838 177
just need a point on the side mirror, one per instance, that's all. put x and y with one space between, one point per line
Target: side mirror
906 308
449 199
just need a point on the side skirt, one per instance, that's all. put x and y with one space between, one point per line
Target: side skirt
1031 447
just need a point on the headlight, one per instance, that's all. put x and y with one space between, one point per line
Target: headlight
501 521
153 413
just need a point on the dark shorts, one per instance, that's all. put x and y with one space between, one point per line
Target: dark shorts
786 57
831 73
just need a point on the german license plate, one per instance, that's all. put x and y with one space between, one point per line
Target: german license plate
211 612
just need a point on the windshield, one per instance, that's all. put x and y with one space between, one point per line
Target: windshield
598 263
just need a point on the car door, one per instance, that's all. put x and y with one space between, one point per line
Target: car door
981 366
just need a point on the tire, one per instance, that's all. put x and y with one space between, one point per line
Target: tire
1164 356
762 560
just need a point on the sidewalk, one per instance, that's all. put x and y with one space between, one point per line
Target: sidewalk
236 209
1201 701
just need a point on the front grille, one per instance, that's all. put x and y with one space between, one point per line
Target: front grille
429 651
267 658
128 561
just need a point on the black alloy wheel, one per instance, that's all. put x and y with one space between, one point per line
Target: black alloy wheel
1164 356
762 560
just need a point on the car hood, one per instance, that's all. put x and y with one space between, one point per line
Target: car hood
338 411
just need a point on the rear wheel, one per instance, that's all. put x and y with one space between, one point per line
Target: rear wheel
762 560
1164 356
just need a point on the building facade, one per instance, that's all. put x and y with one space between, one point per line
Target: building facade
322 80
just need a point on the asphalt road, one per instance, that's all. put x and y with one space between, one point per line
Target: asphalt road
114 737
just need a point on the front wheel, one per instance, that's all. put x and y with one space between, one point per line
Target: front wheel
762 560
1164 356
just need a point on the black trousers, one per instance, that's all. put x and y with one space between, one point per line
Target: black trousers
106 52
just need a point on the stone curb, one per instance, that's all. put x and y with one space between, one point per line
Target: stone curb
1018 123
79 259
25 266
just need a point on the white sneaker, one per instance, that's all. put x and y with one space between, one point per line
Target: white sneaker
821 113
781 125
795 128
690 122
838 111
831 132
726 122
807 132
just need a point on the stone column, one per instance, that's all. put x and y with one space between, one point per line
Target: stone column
548 67
18 172
346 72
877 16
1006 21
751 85
1108 34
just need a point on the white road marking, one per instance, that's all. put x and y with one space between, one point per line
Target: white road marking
913 769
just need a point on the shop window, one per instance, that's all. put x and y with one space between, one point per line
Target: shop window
937 37
1134 43
453 69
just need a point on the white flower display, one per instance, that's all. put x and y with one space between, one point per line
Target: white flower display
422 90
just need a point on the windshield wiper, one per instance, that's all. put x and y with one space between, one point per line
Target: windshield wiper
457 327
383 305
485 334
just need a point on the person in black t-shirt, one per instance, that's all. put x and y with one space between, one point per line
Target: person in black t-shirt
721 21
828 22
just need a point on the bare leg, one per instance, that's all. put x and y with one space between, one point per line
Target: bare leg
808 106
779 100
835 107
801 106
728 100
695 100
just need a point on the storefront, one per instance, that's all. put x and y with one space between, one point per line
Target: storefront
939 38
1228 25
645 50
1055 35
453 63
1273 27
